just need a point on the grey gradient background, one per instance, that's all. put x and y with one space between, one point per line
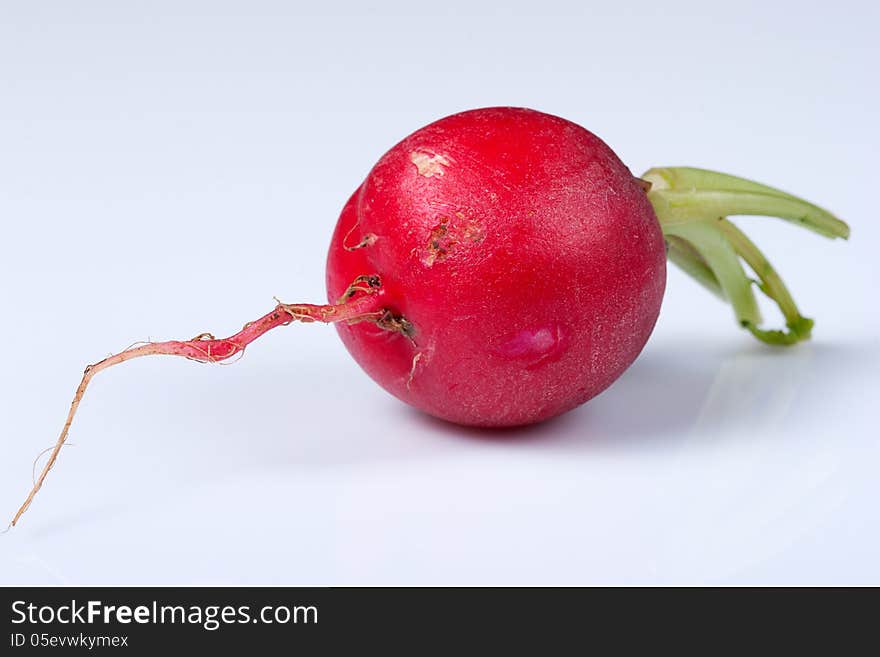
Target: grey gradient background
167 167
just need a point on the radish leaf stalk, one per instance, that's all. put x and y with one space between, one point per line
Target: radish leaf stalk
692 206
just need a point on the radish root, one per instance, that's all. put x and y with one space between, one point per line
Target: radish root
361 302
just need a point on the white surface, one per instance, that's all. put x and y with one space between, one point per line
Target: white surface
165 168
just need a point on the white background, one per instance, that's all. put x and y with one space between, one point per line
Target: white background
167 167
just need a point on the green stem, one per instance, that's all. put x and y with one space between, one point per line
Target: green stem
799 327
723 261
686 256
692 206
683 194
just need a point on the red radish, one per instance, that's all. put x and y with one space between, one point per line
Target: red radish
502 266
522 251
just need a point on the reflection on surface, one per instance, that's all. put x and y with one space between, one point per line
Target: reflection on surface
753 390
706 391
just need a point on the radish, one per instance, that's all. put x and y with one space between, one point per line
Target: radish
501 266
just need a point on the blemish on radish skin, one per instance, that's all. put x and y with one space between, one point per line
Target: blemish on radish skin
429 164
535 346
412 370
448 235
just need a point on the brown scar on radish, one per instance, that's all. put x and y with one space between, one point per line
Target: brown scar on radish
438 247
362 301
447 235
391 321
367 240
429 164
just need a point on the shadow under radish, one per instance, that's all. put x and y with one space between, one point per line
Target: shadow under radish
686 391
